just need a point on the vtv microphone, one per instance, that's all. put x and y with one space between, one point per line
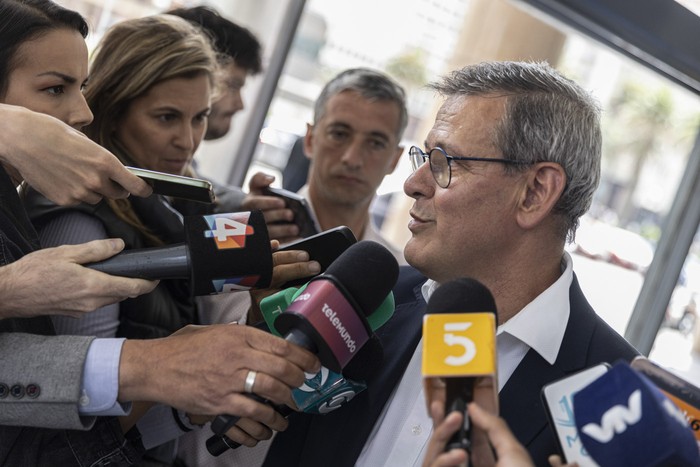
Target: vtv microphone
329 318
222 253
624 421
459 344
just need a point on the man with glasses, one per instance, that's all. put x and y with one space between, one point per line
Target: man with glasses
513 160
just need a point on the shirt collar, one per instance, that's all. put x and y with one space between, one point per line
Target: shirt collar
528 325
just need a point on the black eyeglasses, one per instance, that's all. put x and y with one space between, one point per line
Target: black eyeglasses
441 163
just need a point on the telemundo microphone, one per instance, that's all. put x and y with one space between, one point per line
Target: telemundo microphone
328 391
222 253
330 317
624 420
459 345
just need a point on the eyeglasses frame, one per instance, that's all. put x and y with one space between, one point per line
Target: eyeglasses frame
450 158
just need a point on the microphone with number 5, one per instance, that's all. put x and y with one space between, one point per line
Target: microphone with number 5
459 345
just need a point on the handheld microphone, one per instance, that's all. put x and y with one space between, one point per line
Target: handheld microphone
685 395
329 317
328 390
557 399
321 393
459 344
624 420
222 253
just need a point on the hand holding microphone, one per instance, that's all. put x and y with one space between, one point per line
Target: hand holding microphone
459 345
329 317
222 253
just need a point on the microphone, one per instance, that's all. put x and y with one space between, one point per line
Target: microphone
320 394
685 395
222 253
624 420
459 344
557 399
328 390
330 317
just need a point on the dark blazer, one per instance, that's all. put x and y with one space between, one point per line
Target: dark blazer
339 437
31 354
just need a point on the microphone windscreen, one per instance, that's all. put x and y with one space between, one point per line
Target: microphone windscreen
368 272
229 252
463 295
624 420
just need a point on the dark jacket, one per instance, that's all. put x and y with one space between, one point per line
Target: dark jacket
170 305
340 436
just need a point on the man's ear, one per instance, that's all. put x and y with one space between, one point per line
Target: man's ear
308 140
544 185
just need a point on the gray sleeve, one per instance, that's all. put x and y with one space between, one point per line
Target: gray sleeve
71 228
228 198
49 372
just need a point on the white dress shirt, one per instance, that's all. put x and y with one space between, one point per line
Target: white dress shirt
401 432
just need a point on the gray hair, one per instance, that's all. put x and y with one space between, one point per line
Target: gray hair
369 84
547 118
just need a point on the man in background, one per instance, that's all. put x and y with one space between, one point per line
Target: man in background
241 56
353 143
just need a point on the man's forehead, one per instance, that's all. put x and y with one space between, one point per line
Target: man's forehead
360 113
465 119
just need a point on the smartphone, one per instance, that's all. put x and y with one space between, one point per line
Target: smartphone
304 217
323 247
177 186
557 398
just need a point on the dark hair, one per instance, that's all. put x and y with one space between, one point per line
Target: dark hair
229 39
370 84
25 20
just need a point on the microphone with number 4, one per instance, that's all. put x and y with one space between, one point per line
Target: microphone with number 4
459 345
222 253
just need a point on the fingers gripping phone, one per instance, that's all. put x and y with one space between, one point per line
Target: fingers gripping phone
176 186
304 217
323 247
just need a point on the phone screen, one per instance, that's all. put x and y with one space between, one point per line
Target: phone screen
304 217
195 189
323 247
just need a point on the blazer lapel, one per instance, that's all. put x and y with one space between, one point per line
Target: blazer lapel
520 401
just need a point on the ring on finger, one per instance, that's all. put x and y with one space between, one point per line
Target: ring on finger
250 381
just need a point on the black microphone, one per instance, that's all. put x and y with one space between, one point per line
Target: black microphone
459 345
222 253
329 317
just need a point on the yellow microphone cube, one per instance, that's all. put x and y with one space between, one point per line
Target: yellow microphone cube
459 344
